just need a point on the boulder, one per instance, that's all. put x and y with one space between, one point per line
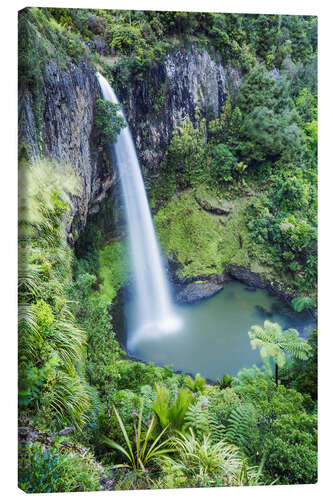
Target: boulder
194 292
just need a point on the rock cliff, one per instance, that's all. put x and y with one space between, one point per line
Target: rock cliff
155 105
67 133
188 78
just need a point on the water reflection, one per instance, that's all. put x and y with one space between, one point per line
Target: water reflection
214 338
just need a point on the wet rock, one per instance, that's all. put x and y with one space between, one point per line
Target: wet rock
179 279
256 280
194 292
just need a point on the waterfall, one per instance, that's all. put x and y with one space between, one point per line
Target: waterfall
153 312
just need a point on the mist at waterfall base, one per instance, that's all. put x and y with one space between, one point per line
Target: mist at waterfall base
153 314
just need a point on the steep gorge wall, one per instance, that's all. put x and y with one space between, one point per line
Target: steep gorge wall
188 78
67 134
154 106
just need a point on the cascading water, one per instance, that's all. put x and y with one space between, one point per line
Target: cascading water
154 314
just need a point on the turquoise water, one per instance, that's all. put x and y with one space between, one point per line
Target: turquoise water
214 337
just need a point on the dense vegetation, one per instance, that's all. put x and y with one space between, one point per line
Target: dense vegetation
141 426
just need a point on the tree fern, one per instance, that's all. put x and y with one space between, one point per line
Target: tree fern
273 341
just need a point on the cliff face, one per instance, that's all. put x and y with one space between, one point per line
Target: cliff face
154 106
67 134
187 79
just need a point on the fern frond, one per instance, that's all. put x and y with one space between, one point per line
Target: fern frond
239 424
196 417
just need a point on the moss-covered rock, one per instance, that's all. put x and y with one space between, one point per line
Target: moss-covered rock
203 244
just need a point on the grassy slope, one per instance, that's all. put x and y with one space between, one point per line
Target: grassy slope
202 242
205 243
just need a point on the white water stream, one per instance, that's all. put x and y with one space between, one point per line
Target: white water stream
154 315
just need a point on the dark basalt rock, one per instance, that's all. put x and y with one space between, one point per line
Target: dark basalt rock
194 292
67 134
256 280
155 105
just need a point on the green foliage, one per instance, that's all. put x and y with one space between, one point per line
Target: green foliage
304 378
49 470
198 385
140 455
241 425
197 417
269 128
50 344
197 239
225 381
103 352
280 418
113 268
292 451
108 121
133 374
200 463
186 156
223 165
301 303
172 413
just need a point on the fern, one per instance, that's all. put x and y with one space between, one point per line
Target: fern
198 385
301 303
216 428
196 417
239 426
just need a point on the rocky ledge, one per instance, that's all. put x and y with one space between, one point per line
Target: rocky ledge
195 288
256 280
194 292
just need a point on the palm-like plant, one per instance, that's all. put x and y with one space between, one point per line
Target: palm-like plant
196 385
142 453
273 341
225 381
172 415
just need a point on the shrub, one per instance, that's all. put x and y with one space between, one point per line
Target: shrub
198 462
223 165
108 121
44 470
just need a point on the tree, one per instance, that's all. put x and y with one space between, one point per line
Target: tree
273 341
268 129
224 164
187 153
108 122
